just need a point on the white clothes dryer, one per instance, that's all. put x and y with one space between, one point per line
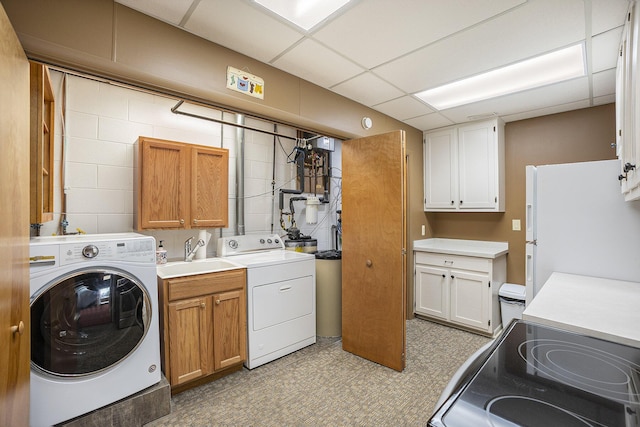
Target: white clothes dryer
94 323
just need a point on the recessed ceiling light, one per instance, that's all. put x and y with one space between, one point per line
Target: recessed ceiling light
542 70
304 13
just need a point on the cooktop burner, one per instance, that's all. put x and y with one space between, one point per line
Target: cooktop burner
541 376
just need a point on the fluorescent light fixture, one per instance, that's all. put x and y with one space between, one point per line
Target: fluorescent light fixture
542 70
304 13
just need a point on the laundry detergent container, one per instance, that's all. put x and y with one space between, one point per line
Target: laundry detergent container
512 299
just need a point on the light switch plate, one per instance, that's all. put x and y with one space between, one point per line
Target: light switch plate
515 225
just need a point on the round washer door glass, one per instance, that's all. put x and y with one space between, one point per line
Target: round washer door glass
88 321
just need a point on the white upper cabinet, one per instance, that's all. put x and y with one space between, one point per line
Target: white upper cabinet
628 107
464 168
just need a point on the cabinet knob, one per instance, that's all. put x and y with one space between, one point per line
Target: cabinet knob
203 305
218 301
452 276
369 263
195 220
181 221
19 328
460 201
443 276
452 202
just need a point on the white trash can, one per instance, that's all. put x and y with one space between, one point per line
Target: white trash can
512 299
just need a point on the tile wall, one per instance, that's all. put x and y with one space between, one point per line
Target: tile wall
103 121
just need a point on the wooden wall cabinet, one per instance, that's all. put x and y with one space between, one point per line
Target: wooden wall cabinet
460 290
180 186
464 168
203 326
42 145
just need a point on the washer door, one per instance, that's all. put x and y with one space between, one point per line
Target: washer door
87 321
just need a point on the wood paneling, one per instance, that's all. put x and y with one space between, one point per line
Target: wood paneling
15 347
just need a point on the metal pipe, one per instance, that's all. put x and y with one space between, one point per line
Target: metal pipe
240 226
175 110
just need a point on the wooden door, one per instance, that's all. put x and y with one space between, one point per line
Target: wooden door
190 340
209 187
374 248
229 328
15 345
162 186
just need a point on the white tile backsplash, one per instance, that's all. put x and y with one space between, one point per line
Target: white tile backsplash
103 121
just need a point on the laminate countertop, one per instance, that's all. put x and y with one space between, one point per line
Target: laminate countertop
474 248
601 308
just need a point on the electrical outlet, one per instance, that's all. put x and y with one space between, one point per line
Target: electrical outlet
515 225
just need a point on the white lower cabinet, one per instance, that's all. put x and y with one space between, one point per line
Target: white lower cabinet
460 290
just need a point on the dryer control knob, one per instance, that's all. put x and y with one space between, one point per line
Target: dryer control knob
90 251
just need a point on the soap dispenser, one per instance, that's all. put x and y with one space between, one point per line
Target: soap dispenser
161 254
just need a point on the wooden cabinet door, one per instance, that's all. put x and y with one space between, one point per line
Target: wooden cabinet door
163 199
470 299
373 248
15 339
432 291
209 187
190 339
229 328
440 171
42 144
477 168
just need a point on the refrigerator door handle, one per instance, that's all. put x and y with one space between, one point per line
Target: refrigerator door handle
531 242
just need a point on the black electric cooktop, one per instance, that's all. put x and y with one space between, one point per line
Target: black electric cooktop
540 376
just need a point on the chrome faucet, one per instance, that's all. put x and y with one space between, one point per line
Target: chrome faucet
190 253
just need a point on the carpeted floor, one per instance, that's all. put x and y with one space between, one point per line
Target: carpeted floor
322 385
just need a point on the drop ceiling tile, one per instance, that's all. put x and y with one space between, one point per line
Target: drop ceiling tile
367 89
607 14
547 111
240 27
604 48
604 83
171 11
532 29
429 121
309 59
403 108
374 32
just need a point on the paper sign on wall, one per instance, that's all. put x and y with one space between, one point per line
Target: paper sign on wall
241 81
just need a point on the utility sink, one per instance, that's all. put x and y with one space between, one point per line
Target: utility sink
198 266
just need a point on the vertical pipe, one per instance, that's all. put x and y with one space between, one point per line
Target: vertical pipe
240 226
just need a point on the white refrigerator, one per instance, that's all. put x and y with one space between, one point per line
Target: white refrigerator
577 222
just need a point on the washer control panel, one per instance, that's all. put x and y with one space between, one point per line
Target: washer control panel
236 245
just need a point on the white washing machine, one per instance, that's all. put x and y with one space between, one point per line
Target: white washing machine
281 295
94 323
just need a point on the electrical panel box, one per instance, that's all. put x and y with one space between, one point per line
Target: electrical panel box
324 143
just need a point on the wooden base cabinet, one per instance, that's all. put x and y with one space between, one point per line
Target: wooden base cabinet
203 326
459 290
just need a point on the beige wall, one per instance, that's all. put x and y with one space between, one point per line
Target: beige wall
576 136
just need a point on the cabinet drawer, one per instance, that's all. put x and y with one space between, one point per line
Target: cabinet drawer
454 261
204 284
